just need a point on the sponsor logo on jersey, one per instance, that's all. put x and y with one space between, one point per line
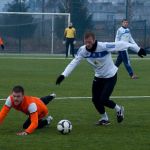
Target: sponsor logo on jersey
97 54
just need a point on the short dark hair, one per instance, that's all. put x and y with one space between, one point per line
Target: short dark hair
18 89
124 20
89 34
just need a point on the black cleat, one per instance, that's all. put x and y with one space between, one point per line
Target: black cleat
53 95
120 115
103 122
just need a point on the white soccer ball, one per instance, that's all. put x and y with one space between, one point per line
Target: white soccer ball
64 126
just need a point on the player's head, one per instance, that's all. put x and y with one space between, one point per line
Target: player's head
125 23
89 39
18 94
70 25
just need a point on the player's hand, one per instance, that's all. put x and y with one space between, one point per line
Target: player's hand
74 42
64 42
60 79
2 46
142 52
22 133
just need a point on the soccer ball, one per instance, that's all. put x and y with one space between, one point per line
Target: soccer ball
64 126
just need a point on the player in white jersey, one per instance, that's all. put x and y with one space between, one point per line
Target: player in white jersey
123 34
98 54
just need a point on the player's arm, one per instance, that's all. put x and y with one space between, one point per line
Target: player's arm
120 46
34 123
5 109
33 118
131 40
71 66
65 33
117 37
74 33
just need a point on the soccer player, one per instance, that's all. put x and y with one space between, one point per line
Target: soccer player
69 36
34 107
123 34
98 54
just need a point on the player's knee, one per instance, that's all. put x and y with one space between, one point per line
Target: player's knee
98 101
103 100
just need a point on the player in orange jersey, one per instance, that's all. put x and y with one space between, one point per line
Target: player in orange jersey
34 107
1 43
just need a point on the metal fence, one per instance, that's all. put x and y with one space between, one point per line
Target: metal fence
106 31
44 33
36 33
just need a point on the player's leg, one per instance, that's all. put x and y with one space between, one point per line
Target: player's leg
67 46
119 59
109 85
96 93
41 123
26 123
72 47
127 64
48 98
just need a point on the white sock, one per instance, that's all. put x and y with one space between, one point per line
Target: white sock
117 108
49 119
104 116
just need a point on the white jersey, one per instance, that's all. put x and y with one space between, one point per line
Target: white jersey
100 59
123 34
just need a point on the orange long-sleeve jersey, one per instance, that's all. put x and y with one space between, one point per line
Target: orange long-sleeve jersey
31 106
1 41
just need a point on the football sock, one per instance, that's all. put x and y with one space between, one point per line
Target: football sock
117 108
104 116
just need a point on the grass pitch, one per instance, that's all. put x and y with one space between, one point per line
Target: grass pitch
38 75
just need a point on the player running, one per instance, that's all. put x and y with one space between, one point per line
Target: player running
34 107
98 54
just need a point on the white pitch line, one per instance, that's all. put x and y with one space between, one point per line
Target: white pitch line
113 97
58 58
116 97
38 58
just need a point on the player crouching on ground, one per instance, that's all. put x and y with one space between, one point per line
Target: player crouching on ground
98 54
34 107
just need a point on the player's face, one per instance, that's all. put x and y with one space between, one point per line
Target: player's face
18 98
89 42
125 24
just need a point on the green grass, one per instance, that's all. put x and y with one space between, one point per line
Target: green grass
38 78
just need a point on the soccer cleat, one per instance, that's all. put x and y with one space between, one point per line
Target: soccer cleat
102 122
49 119
120 114
134 77
53 95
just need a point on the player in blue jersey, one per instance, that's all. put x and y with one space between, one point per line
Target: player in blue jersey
123 34
98 54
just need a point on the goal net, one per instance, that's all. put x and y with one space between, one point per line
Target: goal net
25 32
